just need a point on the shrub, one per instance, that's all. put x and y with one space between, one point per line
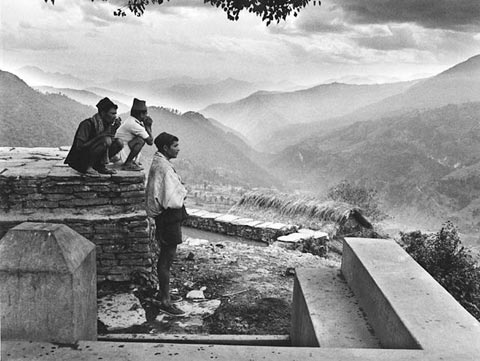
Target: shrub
452 265
364 198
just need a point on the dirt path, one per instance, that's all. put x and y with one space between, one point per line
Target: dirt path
248 290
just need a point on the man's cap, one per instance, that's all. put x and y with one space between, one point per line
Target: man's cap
106 104
139 105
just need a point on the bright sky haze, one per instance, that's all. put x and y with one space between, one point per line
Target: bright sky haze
383 40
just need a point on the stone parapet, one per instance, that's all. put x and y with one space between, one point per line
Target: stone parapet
25 190
35 186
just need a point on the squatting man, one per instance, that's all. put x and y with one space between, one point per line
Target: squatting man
104 138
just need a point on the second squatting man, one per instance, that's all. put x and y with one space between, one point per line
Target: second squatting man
134 132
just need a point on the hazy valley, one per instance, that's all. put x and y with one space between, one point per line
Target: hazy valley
417 143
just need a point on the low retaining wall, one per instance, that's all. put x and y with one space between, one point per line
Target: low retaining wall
232 225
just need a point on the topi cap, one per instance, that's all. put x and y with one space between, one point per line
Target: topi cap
139 105
106 104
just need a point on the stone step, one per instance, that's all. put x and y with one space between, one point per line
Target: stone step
323 298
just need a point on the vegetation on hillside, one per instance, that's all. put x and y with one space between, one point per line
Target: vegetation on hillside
452 265
336 218
362 197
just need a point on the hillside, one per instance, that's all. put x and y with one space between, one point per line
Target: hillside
32 119
262 113
422 160
208 152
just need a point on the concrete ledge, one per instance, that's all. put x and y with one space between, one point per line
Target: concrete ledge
404 304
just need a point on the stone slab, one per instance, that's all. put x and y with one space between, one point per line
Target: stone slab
294 238
245 222
312 233
226 218
211 215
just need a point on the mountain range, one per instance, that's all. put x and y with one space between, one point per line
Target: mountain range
273 121
184 93
262 113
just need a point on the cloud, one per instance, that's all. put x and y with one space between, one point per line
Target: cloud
459 15
34 41
100 13
393 38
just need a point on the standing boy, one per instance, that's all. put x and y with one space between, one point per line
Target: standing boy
165 196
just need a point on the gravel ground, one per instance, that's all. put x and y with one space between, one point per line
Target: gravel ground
248 290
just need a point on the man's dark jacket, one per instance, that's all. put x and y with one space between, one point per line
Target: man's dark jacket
78 157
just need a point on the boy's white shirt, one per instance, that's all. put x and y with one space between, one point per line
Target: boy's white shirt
164 187
130 128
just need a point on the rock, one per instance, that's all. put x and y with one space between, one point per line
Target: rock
190 256
290 271
189 284
196 295
197 242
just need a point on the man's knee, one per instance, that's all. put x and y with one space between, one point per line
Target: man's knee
136 143
117 145
167 255
106 141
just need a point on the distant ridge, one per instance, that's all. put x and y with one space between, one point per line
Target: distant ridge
456 85
36 76
86 97
262 113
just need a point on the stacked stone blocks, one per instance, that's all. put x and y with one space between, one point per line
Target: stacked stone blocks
108 210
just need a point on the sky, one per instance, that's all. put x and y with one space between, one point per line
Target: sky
375 40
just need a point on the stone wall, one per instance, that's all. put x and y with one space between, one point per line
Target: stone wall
36 186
